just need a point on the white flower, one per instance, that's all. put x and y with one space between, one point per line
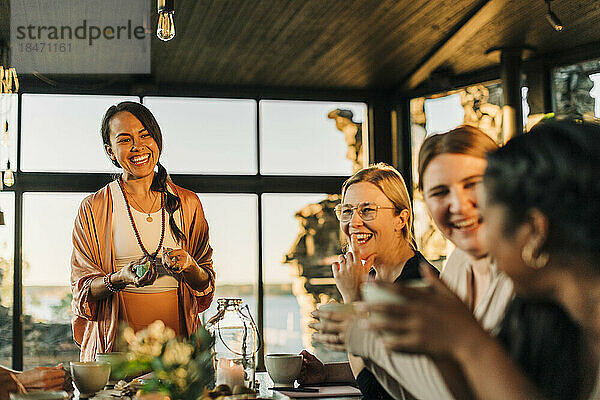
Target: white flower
177 353
148 342
159 332
179 378
129 335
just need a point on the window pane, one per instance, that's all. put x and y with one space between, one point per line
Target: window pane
207 136
595 93
301 240
298 137
7 205
233 224
443 113
9 104
576 89
47 245
61 133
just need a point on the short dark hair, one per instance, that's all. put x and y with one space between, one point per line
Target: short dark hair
555 169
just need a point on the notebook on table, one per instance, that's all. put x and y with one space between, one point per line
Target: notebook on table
321 391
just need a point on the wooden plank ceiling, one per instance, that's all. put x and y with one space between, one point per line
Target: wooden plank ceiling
348 43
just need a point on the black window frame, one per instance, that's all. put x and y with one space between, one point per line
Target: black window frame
377 104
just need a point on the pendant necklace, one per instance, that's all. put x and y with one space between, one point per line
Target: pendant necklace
148 216
137 234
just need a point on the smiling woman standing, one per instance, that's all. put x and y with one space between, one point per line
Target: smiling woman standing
140 244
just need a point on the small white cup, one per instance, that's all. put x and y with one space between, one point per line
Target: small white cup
376 294
89 376
336 307
283 368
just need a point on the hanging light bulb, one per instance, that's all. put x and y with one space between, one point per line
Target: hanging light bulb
5 141
9 176
553 19
166 26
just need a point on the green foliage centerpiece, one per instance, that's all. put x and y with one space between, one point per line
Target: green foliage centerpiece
183 367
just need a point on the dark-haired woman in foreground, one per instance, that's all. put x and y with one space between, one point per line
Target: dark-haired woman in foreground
541 207
141 216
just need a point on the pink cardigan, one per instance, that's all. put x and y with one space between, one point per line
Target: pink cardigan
95 323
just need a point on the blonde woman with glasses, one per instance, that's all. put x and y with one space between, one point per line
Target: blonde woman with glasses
376 218
451 167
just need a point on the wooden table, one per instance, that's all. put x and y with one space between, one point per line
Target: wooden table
264 381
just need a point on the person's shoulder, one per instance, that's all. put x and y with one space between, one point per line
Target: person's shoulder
98 197
185 195
500 280
455 266
180 191
422 261
457 259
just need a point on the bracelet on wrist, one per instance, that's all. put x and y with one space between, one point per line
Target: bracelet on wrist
109 285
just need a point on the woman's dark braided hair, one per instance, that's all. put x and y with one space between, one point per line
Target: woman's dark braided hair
556 169
159 183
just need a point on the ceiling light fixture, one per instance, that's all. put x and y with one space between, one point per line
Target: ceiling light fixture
9 176
553 19
166 27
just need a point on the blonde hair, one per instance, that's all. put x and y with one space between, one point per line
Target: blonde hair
390 182
465 139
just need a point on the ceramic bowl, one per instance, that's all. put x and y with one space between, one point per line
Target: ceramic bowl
283 368
90 376
376 294
336 307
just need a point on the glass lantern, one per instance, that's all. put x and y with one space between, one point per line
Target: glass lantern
235 345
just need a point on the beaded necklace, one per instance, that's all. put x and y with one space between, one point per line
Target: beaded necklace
137 234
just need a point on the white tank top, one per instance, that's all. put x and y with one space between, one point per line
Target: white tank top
126 246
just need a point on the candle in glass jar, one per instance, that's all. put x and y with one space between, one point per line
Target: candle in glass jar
229 373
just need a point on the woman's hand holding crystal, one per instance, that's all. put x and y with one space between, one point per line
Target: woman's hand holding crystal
130 274
177 260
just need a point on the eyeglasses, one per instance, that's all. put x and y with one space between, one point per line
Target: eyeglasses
366 211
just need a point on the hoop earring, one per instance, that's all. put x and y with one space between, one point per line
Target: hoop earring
530 260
